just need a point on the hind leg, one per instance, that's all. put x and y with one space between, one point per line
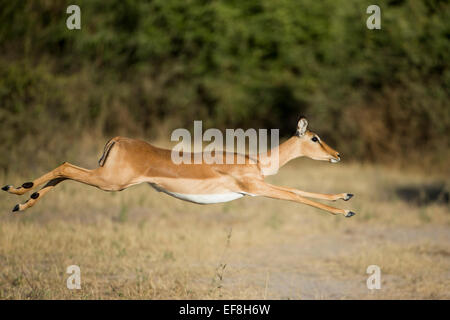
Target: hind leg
68 171
101 178
38 195
27 186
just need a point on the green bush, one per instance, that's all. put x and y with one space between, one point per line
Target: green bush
374 94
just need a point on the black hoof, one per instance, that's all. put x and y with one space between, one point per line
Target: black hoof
350 214
6 188
349 196
35 195
16 208
27 185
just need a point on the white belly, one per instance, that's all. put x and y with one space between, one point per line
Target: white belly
204 198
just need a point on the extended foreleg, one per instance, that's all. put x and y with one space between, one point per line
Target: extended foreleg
267 190
321 196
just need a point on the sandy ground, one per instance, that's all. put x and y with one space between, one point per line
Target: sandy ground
293 272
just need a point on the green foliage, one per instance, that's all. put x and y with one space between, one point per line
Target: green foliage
374 94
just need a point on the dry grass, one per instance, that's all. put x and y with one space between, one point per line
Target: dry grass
140 244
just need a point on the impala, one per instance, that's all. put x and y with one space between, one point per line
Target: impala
126 162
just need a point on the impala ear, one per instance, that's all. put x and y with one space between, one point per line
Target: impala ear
301 126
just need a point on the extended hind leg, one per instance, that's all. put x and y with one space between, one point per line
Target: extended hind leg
27 186
102 178
35 197
68 171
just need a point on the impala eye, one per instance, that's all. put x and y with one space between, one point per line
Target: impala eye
314 139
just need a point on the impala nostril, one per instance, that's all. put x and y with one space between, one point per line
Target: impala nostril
338 155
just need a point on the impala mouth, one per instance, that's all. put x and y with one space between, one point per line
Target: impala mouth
335 160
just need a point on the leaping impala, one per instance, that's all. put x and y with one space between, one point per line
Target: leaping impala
126 162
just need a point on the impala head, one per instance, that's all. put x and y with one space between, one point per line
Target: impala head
312 146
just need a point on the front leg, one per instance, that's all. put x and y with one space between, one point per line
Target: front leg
322 196
260 188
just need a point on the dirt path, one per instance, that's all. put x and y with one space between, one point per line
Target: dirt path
314 267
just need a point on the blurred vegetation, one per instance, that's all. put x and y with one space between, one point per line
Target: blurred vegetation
376 95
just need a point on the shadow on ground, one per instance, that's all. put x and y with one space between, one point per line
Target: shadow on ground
425 194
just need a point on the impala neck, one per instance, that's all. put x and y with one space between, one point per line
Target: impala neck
288 150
